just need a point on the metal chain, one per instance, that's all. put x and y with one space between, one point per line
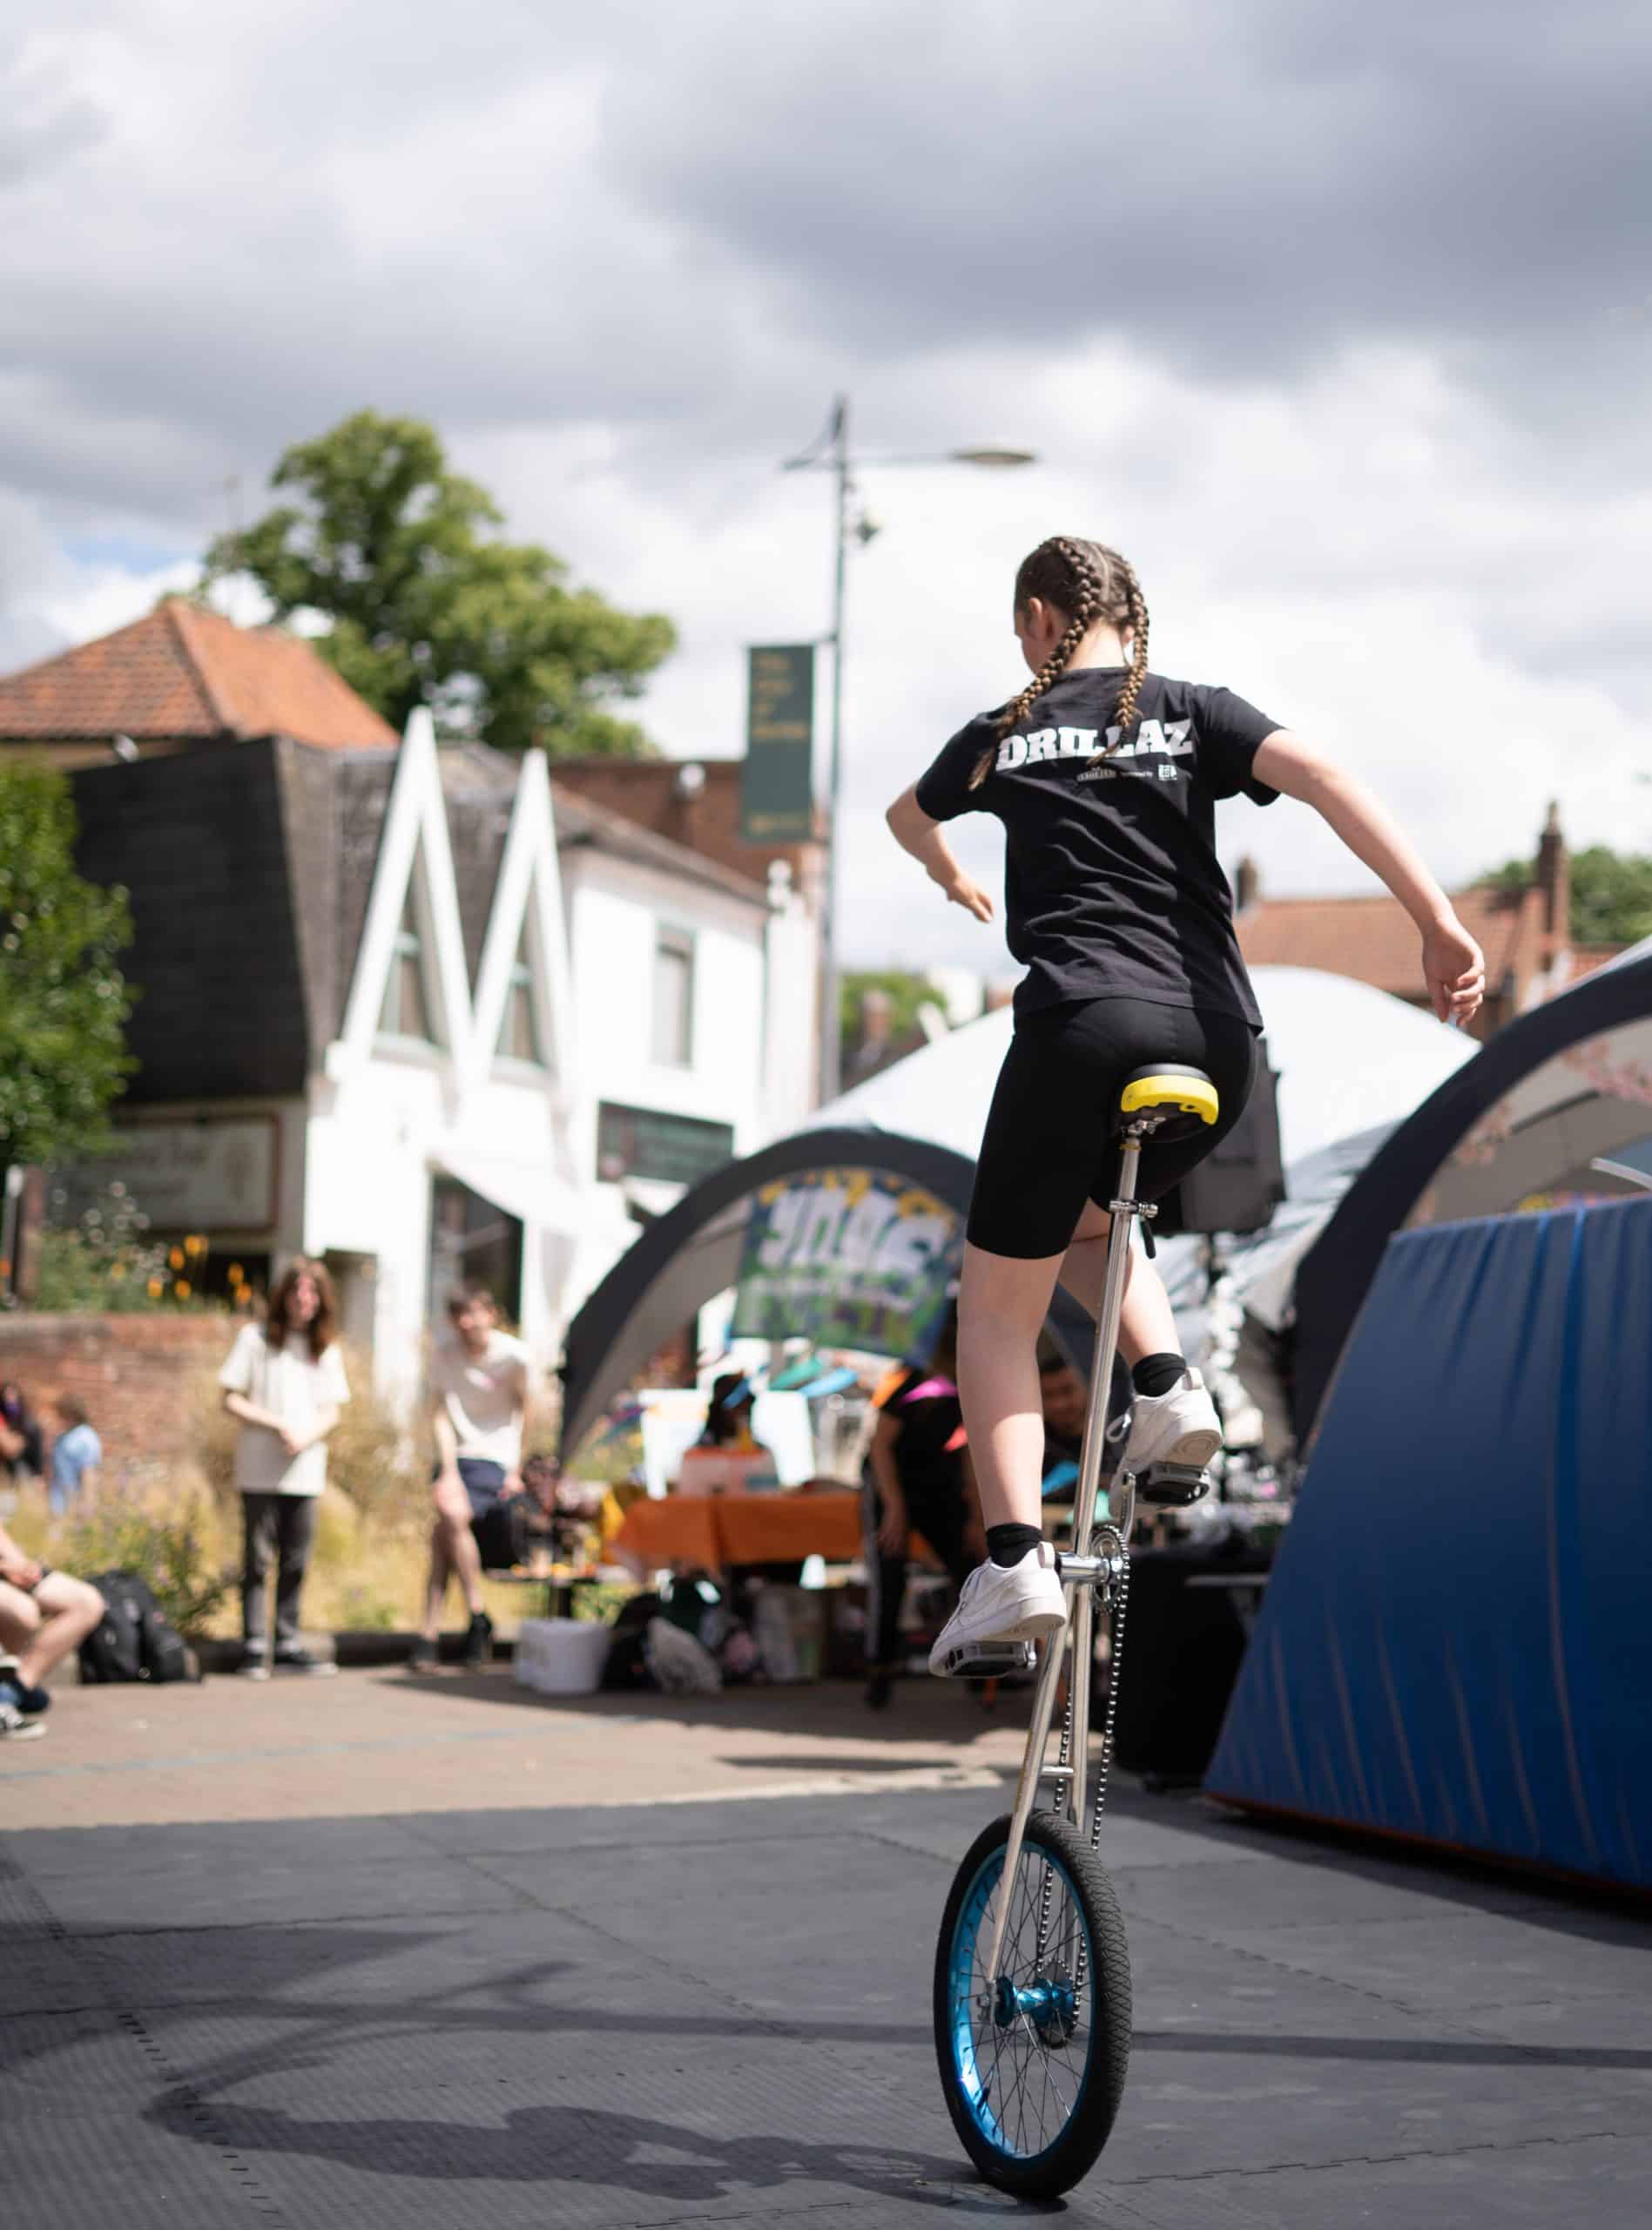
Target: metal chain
1120 1592
1063 1756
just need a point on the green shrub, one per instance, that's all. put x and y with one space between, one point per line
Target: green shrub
121 1528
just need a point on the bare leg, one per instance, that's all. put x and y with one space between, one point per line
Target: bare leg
459 1543
1002 1301
67 1610
1147 1323
437 1585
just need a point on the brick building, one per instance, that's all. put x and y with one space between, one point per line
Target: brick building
1525 935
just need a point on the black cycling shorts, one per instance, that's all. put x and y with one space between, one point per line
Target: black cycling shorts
1050 1142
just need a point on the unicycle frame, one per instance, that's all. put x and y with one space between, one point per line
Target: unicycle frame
1086 1575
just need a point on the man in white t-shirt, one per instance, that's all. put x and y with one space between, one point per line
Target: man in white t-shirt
479 1389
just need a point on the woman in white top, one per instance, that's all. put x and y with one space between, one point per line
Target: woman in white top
285 1382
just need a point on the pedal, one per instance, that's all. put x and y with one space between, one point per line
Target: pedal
1172 1486
989 1660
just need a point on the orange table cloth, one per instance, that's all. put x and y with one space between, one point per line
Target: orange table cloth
717 1530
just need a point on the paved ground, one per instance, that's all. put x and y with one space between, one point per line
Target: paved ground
468 1980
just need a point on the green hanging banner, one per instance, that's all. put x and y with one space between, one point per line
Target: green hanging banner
777 803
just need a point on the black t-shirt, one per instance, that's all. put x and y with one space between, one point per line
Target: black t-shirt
929 1453
1111 880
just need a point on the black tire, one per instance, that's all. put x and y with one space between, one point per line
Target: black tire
1105 2015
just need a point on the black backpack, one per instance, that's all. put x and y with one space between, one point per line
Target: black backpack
132 1641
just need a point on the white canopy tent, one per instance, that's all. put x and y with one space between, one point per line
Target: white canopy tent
1352 1062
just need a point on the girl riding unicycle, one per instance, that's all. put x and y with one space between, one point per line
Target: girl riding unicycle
1134 1054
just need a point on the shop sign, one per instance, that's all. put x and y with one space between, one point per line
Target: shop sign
848 1258
211 1177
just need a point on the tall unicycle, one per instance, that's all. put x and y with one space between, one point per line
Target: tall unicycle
1032 1994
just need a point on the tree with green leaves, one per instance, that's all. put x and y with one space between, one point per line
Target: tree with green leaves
64 1003
1611 893
428 605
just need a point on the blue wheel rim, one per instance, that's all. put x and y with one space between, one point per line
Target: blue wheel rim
1002 2073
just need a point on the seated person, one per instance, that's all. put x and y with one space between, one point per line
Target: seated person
1064 1398
77 1455
479 1388
727 1458
22 1442
43 1614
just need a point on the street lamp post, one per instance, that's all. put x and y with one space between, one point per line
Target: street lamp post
831 453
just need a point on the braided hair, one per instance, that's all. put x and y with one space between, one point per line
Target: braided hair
1088 582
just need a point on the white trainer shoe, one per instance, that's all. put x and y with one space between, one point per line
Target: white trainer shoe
1180 1427
1020 1602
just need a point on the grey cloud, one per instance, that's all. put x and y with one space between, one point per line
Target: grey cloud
1240 189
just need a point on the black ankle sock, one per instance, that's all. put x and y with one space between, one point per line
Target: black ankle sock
1007 1544
1157 1374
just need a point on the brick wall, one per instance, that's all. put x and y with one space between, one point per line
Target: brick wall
645 791
136 1375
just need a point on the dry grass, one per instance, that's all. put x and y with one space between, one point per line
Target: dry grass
180 1527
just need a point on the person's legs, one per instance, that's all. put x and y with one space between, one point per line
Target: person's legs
1003 1303
1147 1322
295 1531
945 1519
19 1619
886 1585
259 1534
452 1554
437 1585
65 1611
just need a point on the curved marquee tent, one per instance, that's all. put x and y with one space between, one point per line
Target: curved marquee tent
1352 1062
1555 1109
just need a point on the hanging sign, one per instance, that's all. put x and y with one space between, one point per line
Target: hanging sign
776 779
848 1258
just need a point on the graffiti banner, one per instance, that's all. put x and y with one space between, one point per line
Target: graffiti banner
848 1258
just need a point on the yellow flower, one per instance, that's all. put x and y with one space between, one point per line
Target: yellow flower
155 1288
182 1288
175 1257
237 1275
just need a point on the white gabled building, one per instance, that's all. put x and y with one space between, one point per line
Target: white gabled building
422 1015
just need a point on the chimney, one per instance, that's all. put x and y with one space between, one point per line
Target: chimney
1555 880
1247 885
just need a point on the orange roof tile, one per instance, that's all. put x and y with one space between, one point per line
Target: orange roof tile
1372 939
182 673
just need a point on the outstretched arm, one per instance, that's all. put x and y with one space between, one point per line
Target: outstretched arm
914 832
1453 967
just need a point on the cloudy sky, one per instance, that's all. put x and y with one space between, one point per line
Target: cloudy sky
1338 321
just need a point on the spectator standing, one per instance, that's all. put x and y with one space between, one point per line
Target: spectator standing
77 1455
43 1614
285 1382
479 1388
914 1476
23 1444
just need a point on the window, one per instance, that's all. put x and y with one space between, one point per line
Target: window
519 1039
406 1012
640 1142
674 997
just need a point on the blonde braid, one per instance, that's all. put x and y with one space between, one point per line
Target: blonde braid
1083 598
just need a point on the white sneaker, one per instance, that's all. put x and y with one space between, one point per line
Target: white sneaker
1020 1602
1180 1427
